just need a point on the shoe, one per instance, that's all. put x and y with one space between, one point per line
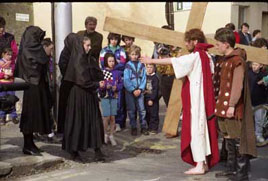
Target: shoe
134 131
144 131
260 141
153 132
242 169
36 149
231 164
75 156
106 139
2 121
15 120
113 142
117 128
54 140
99 156
33 152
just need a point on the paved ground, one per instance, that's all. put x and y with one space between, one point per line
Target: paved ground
141 158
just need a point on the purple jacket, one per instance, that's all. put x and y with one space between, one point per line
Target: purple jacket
112 77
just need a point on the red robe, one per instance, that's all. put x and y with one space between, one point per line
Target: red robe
186 152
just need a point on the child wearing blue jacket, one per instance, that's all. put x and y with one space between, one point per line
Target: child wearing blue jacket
134 83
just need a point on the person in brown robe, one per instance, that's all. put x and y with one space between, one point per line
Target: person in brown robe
233 106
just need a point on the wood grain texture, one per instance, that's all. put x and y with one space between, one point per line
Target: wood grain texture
197 15
170 37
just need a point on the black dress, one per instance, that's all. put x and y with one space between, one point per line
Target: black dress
83 122
31 66
65 86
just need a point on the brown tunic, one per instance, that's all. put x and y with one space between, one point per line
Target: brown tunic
239 91
229 76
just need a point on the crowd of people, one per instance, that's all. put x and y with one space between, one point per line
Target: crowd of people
101 87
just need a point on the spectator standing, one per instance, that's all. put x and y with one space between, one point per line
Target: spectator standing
120 55
6 77
231 26
7 40
151 100
245 36
256 34
32 67
109 94
83 127
259 93
135 82
95 37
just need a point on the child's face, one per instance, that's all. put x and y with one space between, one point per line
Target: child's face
128 41
111 62
87 46
221 47
134 56
256 67
150 69
49 50
113 42
7 56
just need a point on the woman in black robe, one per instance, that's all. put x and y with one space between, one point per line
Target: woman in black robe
65 86
83 126
31 66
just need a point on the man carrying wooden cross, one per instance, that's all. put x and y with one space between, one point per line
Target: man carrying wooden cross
199 144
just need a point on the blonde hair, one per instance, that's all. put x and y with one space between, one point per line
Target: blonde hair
136 49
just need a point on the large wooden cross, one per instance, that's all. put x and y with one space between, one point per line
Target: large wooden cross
175 38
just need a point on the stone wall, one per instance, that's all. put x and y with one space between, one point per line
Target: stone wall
16 27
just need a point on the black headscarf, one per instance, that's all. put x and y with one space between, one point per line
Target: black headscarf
66 53
82 68
32 57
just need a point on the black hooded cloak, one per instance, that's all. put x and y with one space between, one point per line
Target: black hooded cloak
31 66
65 86
83 126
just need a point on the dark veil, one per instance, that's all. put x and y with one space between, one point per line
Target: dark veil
82 69
31 55
66 53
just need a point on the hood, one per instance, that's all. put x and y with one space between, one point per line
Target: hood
238 51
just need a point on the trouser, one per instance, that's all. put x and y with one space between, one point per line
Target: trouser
135 104
259 117
13 113
121 115
152 114
166 86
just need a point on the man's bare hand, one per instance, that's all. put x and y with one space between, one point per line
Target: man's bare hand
145 59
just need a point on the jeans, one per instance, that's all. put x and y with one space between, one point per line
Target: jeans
135 104
259 116
121 115
13 113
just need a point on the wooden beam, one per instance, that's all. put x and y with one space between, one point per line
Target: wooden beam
170 37
172 117
254 54
143 31
197 15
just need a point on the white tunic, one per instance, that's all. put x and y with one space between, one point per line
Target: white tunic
191 66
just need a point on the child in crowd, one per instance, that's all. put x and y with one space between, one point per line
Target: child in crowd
6 77
128 40
114 47
134 83
151 100
120 57
109 94
259 94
